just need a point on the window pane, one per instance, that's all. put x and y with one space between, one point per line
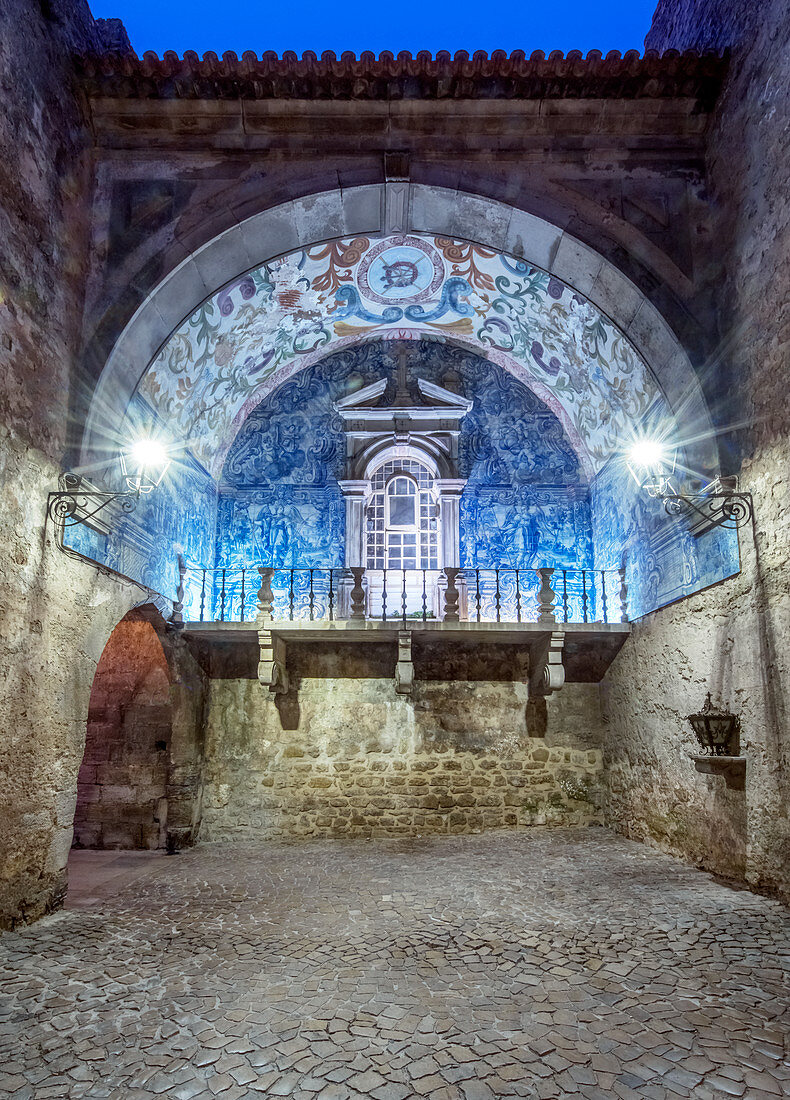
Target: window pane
402 511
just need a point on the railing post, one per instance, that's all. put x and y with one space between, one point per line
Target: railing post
177 618
357 592
546 597
243 593
451 594
222 598
265 595
603 595
623 596
203 597
584 595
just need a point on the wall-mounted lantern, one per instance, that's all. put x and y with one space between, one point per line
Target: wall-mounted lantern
145 465
78 502
652 465
716 731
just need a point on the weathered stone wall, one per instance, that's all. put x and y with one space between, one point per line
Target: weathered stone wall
122 788
343 754
56 613
733 639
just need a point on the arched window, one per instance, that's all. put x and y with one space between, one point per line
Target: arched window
402 517
401 523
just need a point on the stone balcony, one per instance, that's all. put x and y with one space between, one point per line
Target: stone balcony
501 609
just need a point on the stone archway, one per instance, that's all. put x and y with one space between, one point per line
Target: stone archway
369 210
123 781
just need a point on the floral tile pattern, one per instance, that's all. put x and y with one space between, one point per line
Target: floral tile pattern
250 336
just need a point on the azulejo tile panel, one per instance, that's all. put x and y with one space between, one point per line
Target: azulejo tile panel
663 561
286 315
525 503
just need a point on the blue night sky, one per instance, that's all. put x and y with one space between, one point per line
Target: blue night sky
353 25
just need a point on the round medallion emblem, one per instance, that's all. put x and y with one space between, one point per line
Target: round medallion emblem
400 269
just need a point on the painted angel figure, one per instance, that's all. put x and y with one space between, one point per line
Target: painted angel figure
520 537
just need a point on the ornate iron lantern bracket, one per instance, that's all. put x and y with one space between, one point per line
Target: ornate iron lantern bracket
705 511
76 502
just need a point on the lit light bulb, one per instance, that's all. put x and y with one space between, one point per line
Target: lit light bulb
647 453
149 453
144 465
652 465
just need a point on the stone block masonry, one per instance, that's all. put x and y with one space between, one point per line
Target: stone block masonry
343 754
410 794
733 638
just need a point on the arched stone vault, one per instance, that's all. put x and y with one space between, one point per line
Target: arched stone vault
370 210
612 150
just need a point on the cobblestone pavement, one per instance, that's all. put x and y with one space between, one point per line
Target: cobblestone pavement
543 964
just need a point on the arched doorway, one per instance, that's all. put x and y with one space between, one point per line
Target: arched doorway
122 786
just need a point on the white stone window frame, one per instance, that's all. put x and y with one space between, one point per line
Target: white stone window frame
428 542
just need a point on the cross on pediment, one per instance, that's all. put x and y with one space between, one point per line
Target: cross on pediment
402 395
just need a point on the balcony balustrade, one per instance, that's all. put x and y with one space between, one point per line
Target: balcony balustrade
324 594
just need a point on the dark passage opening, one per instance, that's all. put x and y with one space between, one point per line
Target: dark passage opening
122 787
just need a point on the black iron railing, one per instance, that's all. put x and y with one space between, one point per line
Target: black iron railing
501 595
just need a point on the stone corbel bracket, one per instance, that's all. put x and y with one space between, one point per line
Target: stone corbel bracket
548 671
272 673
732 768
404 669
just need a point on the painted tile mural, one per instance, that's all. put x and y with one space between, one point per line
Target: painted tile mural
290 313
178 518
526 503
663 561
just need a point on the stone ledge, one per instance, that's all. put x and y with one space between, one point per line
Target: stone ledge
733 768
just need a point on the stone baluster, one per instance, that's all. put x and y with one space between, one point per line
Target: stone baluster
546 597
177 618
623 596
451 594
357 592
265 595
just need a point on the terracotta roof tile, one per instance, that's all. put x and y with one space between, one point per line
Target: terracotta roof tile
481 76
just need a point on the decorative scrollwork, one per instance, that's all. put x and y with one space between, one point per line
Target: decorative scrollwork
73 505
729 510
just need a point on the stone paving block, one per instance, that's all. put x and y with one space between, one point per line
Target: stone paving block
287 974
